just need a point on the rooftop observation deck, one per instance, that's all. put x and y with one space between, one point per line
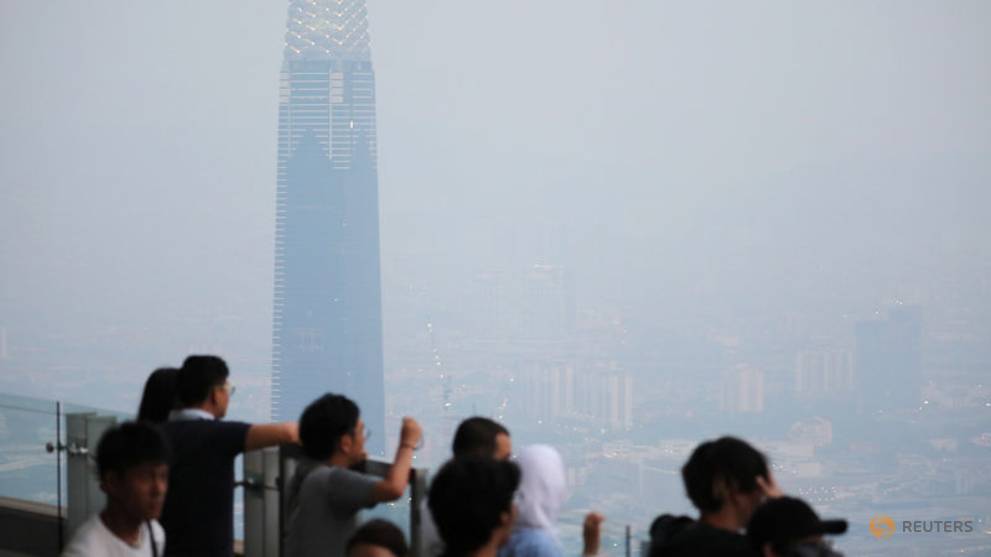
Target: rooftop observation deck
48 482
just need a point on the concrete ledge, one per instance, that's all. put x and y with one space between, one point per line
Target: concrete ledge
28 528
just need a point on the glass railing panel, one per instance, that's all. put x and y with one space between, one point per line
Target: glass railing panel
28 471
47 457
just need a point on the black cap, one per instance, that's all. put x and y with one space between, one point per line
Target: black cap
786 520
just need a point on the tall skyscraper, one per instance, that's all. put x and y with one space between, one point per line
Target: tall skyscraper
327 319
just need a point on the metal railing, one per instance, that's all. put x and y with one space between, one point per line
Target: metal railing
47 474
267 473
48 484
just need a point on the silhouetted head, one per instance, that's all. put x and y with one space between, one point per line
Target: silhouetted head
471 501
377 538
202 383
132 460
331 424
724 472
159 397
787 526
482 437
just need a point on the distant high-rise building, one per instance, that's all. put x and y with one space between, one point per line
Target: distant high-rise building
743 390
618 407
601 395
604 394
823 373
548 391
888 360
327 319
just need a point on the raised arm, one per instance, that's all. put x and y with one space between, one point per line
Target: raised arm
270 435
592 534
769 487
394 484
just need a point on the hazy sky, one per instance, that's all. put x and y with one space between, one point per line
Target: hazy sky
681 158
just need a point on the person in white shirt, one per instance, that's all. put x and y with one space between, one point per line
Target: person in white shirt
133 466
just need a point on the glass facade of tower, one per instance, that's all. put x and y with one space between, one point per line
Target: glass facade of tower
327 320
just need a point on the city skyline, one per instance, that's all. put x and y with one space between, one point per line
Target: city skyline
616 228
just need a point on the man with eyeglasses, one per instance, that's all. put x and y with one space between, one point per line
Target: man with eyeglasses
199 509
326 493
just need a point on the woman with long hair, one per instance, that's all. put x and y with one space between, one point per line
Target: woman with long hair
159 396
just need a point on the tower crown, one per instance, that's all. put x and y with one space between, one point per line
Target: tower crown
328 30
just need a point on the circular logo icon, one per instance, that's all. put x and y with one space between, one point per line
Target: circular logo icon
882 527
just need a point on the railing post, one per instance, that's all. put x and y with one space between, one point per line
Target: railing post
629 541
262 532
266 476
58 473
418 494
82 435
254 504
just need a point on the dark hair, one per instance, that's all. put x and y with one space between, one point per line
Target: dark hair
727 460
784 522
323 423
381 533
159 397
197 376
467 499
477 436
129 445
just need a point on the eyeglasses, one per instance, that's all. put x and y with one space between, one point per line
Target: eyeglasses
366 433
229 387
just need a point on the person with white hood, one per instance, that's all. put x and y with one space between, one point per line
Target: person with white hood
542 492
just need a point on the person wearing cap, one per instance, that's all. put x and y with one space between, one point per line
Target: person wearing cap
788 527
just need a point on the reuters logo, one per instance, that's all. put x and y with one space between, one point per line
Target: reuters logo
882 527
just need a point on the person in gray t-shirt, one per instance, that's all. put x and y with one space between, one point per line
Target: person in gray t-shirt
325 495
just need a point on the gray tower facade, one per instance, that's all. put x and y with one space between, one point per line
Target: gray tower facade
327 317
888 360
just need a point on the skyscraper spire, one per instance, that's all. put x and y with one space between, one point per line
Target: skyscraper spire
328 29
